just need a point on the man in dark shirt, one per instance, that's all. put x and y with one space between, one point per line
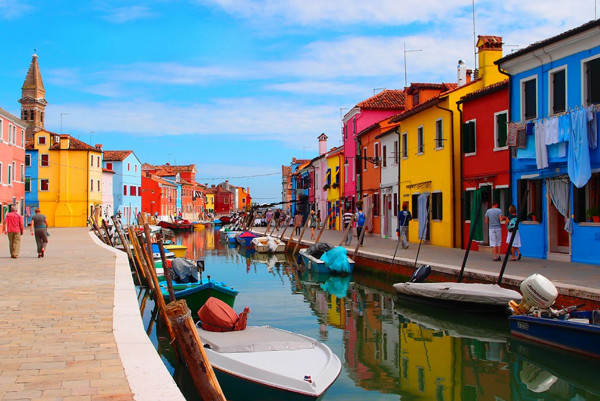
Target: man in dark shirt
403 218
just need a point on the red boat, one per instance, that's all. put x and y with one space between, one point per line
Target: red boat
225 219
177 225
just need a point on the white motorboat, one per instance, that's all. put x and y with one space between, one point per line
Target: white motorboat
274 358
268 244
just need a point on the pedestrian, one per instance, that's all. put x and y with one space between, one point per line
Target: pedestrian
360 224
512 230
276 217
39 227
347 218
298 222
403 218
493 217
13 226
269 216
313 224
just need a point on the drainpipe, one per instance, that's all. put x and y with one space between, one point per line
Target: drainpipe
460 139
509 119
453 179
399 132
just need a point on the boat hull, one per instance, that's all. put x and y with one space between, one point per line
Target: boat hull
260 245
175 226
273 358
196 294
318 266
178 250
245 239
574 336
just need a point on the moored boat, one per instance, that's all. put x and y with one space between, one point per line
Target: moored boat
245 238
196 294
316 258
268 244
178 225
178 250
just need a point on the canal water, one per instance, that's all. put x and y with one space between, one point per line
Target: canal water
389 350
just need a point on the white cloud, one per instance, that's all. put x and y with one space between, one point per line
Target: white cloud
10 9
121 15
317 88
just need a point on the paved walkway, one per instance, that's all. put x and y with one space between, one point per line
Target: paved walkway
71 327
571 279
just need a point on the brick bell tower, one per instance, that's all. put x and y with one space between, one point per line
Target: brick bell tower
33 101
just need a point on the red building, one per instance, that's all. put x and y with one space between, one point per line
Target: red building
223 201
158 195
485 159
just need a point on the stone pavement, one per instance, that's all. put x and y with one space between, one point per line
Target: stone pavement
572 279
70 326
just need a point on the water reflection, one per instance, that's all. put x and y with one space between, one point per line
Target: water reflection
389 350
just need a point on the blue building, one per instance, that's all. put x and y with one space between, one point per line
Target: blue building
555 166
31 182
127 182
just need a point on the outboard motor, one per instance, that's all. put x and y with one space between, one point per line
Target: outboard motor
538 292
420 274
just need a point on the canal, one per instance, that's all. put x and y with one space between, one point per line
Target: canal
388 350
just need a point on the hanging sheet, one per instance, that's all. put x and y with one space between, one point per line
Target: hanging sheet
423 215
559 188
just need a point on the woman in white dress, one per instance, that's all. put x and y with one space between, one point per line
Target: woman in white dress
512 214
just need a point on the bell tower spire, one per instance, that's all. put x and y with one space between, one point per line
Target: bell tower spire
33 101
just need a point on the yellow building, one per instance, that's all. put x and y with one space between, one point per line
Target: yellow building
430 135
69 178
210 201
333 185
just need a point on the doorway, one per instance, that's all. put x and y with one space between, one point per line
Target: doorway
559 240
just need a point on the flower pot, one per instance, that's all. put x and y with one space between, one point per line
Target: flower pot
596 219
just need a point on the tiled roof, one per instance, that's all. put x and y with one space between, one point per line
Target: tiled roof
484 91
13 118
489 42
167 169
74 144
148 166
106 170
423 85
29 144
431 102
545 42
116 155
386 99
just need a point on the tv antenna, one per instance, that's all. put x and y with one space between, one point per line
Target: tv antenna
407 51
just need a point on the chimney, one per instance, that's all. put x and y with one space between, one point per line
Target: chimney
461 73
469 75
98 146
322 144
489 49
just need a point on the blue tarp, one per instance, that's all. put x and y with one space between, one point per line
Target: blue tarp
337 260
337 285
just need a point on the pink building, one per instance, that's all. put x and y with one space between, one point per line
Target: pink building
12 162
385 104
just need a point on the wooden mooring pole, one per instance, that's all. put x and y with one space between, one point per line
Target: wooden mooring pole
191 346
301 235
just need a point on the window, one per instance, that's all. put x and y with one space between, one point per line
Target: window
592 81
415 99
27 160
22 175
92 185
23 138
529 99
436 206
44 185
396 152
468 200
132 190
469 137
135 168
502 196
128 166
420 141
404 145
375 204
124 189
534 198
1 133
44 160
98 185
41 140
97 161
27 184
439 134
345 175
415 205
10 133
364 159
500 129
109 166
10 174
91 160
384 156
586 200
0 173
376 154
558 91
395 204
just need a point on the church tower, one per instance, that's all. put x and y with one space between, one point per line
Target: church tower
33 101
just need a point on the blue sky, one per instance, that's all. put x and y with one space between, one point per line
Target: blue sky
239 87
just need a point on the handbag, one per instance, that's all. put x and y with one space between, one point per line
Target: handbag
512 225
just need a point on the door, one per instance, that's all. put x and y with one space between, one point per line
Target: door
559 240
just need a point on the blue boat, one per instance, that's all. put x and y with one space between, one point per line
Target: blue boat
319 266
231 236
578 332
245 238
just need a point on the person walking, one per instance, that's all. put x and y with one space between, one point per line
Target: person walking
403 218
298 222
276 217
13 226
360 224
39 227
512 215
347 218
313 224
493 217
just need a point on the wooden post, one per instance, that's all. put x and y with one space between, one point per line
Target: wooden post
105 225
192 348
138 256
268 224
166 268
347 229
287 223
322 228
97 230
362 233
127 249
291 236
301 235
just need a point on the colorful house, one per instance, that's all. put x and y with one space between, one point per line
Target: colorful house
159 196
31 184
127 182
333 186
554 101
210 200
384 104
485 159
108 204
390 163
320 166
12 163
69 178
430 166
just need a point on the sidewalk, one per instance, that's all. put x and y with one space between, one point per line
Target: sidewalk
572 279
71 326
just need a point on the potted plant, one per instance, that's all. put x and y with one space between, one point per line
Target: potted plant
531 216
593 214
334 185
325 187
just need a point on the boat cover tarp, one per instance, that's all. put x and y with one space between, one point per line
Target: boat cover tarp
255 339
317 249
184 271
215 315
247 234
272 244
489 294
337 260
337 285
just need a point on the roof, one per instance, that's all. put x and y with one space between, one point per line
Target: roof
33 80
423 86
116 155
106 170
489 42
386 99
74 144
484 91
13 118
415 110
553 39
167 169
29 144
158 179
148 166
